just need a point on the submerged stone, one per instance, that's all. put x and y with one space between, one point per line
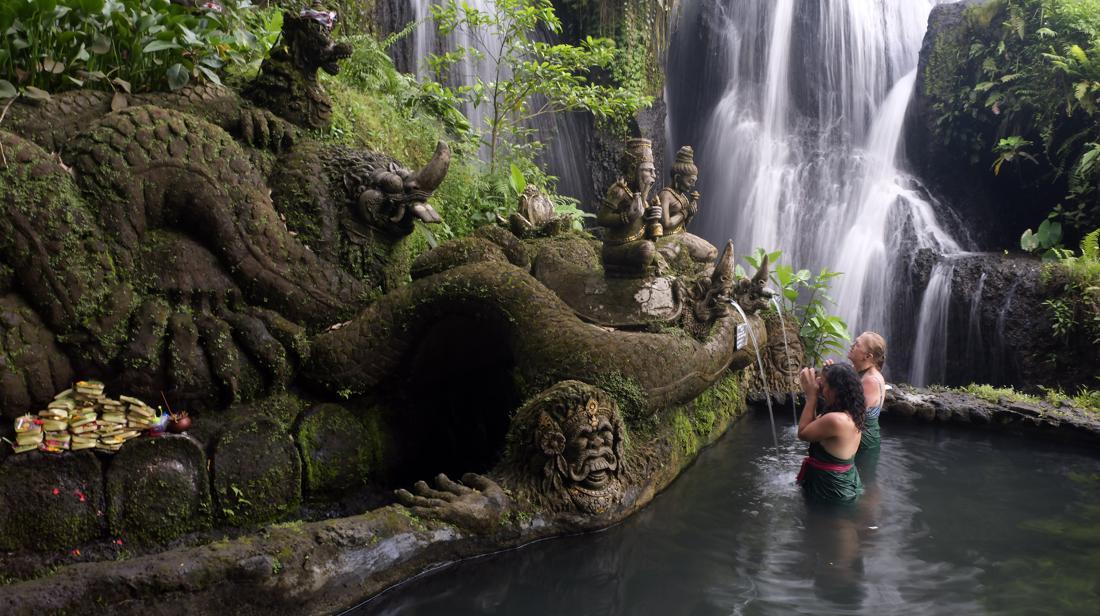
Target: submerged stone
50 501
257 472
157 489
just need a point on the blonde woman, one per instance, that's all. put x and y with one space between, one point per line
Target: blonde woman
868 356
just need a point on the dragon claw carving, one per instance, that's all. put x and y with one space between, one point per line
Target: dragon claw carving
477 503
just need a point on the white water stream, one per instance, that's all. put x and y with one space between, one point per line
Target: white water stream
801 150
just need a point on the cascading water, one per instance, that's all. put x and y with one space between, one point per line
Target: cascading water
974 346
561 134
930 352
427 41
800 144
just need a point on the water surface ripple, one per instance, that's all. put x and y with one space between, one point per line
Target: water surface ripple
953 522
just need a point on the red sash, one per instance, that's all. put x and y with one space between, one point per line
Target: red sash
821 466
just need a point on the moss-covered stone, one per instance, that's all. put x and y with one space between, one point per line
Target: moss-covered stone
257 472
50 501
339 450
158 489
32 366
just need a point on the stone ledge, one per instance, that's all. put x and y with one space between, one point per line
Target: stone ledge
1059 423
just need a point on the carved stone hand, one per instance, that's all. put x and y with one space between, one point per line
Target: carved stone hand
476 504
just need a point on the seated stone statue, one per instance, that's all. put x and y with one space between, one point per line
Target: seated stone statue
627 253
679 203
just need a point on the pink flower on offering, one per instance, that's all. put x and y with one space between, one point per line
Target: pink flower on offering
325 18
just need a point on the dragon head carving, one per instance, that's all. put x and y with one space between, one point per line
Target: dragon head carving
388 197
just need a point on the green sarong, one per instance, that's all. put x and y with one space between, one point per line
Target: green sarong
828 479
872 435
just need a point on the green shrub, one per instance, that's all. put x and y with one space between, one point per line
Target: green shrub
139 45
805 298
1022 87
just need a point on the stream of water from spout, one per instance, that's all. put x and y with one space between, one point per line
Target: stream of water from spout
760 363
787 353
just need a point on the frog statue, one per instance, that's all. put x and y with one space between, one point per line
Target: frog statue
534 216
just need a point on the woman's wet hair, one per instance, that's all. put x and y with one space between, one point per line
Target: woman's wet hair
846 384
876 346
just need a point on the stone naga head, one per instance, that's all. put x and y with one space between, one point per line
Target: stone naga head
568 449
753 294
390 198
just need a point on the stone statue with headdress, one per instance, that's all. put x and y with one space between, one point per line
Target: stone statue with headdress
679 203
627 252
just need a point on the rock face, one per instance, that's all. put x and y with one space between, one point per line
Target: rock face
1059 423
158 489
952 149
1000 326
50 501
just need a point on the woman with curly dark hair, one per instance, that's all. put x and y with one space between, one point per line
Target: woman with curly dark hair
828 472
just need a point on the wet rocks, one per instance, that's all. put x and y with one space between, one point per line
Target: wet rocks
257 472
158 489
50 501
1060 423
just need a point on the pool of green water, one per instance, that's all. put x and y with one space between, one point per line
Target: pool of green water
953 522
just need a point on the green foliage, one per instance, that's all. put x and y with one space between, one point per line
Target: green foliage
376 106
805 298
640 29
124 45
1009 149
1029 69
994 395
1047 238
1085 398
1077 311
530 78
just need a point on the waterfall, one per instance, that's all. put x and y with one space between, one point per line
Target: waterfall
803 106
930 353
426 41
976 354
563 135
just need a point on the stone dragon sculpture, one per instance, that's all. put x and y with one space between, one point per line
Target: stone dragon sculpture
151 253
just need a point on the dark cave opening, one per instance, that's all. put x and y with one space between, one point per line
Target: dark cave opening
456 402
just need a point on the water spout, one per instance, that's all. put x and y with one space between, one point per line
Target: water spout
786 351
760 363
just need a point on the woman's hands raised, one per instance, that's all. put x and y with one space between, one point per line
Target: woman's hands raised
808 379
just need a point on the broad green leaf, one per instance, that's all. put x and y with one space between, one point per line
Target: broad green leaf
100 45
516 179
177 76
7 90
159 45
36 93
211 75
1028 242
